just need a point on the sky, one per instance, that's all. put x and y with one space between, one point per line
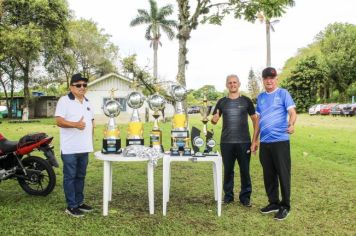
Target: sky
216 51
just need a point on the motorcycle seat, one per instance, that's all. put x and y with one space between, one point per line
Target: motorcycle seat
7 146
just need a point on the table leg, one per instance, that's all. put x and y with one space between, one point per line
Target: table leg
169 180
106 183
215 183
150 184
219 183
165 184
110 183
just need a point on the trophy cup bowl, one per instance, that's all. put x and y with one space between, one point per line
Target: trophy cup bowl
205 112
178 92
111 141
156 102
135 100
112 108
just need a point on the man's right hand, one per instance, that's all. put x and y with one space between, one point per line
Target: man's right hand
216 117
80 124
254 147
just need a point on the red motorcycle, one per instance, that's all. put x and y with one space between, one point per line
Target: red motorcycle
34 174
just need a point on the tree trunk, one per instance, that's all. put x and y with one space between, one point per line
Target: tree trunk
182 58
26 91
268 40
155 59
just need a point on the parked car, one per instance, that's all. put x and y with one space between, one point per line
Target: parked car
193 109
326 109
336 110
347 110
353 109
315 110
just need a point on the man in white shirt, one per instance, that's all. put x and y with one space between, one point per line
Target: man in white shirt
75 117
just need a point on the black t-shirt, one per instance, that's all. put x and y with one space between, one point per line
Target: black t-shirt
235 113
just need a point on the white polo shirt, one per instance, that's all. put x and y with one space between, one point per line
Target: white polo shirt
73 140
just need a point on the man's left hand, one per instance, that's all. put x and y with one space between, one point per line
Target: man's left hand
290 129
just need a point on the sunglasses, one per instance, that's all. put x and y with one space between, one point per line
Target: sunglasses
80 85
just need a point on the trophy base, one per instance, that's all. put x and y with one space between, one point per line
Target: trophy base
211 154
175 152
199 154
111 146
134 142
187 152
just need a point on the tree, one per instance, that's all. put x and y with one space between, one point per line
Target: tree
253 85
338 46
156 20
304 82
207 11
94 54
266 16
140 76
9 76
86 49
28 28
211 92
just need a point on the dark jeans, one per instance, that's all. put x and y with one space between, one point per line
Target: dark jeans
74 171
276 162
230 153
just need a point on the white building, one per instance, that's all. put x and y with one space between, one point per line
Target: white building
99 91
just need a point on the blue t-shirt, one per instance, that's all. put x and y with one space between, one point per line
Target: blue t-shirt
272 109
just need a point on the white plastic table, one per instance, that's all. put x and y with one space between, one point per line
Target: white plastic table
217 175
107 179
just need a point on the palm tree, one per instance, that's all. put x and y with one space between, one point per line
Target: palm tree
156 20
265 16
269 27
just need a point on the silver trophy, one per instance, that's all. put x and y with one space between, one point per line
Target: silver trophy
135 127
180 133
112 140
157 103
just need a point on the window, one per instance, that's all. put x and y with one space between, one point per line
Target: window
122 102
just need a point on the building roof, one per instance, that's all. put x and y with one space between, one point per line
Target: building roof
122 77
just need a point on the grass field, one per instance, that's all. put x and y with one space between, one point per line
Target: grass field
323 191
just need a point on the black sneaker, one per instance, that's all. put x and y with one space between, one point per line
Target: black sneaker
281 214
74 212
272 207
228 200
246 203
85 208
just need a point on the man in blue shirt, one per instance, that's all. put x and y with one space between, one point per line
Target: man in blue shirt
274 107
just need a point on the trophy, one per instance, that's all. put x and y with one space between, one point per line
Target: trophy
135 127
179 133
157 103
111 141
199 142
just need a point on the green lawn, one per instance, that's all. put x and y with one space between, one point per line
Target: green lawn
323 191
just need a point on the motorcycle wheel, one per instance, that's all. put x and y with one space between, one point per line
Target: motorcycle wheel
39 184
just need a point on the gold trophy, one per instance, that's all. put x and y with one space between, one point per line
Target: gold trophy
112 140
135 127
209 141
179 133
157 103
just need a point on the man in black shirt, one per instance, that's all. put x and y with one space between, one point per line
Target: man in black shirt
235 142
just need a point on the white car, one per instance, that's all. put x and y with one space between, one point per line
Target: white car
315 110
